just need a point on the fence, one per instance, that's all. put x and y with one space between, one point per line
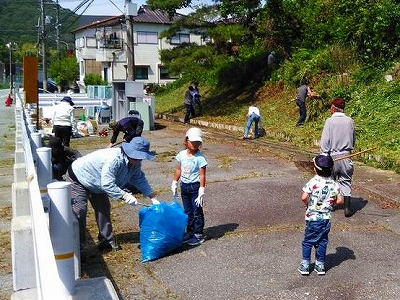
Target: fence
45 264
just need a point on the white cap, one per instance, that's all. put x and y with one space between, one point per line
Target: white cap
194 134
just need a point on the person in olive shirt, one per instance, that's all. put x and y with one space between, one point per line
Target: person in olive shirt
131 126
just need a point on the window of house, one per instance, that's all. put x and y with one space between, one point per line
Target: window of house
164 74
146 37
180 38
141 72
91 42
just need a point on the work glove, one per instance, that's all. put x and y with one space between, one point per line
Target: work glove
199 200
155 200
129 199
174 188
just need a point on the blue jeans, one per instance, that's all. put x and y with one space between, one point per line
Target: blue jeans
252 118
316 234
189 192
303 112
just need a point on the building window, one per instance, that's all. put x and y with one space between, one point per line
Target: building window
146 37
105 72
141 73
164 74
180 38
91 42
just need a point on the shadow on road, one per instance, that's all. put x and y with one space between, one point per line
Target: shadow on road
357 204
335 259
219 231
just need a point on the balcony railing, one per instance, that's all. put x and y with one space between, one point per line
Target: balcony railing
113 44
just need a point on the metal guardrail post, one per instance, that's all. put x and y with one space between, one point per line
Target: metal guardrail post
62 233
44 173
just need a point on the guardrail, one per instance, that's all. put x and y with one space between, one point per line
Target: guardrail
34 265
46 265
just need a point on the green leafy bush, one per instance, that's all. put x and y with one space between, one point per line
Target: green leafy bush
94 79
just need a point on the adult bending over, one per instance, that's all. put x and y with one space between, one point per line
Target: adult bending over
101 175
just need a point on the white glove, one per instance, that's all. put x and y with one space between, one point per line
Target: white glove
129 199
174 188
199 199
155 200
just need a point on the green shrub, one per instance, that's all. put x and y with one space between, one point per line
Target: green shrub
94 79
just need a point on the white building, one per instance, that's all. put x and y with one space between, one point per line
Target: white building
101 47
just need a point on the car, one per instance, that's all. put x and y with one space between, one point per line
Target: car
51 85
42 91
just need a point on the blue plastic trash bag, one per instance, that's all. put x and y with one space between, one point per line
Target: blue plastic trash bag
162 227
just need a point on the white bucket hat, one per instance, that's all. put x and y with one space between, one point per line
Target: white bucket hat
194 134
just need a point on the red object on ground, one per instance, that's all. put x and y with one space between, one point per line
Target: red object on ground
9 100
103 133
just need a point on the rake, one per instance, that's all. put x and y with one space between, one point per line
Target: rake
308 165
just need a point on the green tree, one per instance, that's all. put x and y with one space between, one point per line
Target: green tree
64 72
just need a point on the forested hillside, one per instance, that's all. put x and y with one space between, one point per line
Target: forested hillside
346 48
21 25
19 21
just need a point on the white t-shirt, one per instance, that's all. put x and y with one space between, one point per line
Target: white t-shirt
253 109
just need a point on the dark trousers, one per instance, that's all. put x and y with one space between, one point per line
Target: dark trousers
303 112
63 133
101 205
189 192
198 104
189 111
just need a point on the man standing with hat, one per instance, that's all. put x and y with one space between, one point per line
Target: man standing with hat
337 139
63 120
103 174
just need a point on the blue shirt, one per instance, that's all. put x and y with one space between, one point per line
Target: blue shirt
107 170
190 166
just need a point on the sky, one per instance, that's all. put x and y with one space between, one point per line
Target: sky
109 7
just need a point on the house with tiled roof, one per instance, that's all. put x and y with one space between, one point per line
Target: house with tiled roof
101 47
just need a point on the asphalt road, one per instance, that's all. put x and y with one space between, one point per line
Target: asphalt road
254 227
254 224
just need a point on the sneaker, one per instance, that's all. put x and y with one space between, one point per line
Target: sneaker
187 236
108 245
320 269
304 269
196 239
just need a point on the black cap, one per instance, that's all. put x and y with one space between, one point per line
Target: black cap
323 161
67 99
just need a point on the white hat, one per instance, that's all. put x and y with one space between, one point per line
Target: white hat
194 134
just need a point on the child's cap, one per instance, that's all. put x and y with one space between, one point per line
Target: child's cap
323 161
194 134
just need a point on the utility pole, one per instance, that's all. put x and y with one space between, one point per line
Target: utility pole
130 10
44 48
10 45
58 30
